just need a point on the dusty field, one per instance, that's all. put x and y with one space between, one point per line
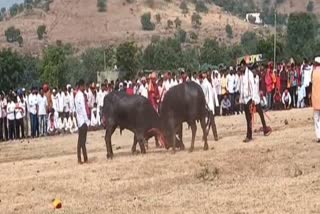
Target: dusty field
275 174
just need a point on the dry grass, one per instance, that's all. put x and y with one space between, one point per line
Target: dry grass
275 174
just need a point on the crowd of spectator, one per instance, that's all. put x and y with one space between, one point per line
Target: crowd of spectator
50 111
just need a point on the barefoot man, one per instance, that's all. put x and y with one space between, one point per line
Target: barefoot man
83 121
316 96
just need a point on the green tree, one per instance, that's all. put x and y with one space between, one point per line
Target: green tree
128 58
211 52
196 20
102 5
146 22
184 7
41 31
310 6
93 59
201 7
28 4
301 34
52 68
14 9
12 34
11 69
249 42
30 72
177 22
181 35
229 31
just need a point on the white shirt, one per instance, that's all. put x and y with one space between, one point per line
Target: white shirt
82 116
0 108
71 100
256 94
91 99
306 72
43 104
174 83
246 87
60 99
100 98
208 93
55 102
237 83
33 102
231 83
66 102
10 110
20 110
143 91
95 119
286 98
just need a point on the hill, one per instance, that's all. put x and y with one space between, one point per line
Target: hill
78 22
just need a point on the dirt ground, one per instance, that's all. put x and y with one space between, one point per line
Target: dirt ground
275 174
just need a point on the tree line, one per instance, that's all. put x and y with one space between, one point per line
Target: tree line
60 64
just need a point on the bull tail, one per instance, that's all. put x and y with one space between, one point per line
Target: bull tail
209 122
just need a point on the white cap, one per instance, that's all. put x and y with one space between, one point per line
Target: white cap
68 86
54 91
317 59
23 89
98 85
120 84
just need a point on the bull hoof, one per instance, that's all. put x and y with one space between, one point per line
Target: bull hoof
182 147
110 156
216 138
191 150
173 152
206 147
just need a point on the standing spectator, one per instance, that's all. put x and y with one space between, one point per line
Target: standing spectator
83 120
66 104
153 92
293 79
47 94
55 100
60 104
130 88
225 105
306 71
231 89
1 121
26 118
20 112
301 95
316 96
4 116
269 86
283 78
286 99
43 109
33 110
11 117
143 91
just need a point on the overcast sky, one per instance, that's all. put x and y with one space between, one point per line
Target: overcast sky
8 3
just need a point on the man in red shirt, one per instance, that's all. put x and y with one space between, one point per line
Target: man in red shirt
153 92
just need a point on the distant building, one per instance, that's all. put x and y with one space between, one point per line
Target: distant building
254 18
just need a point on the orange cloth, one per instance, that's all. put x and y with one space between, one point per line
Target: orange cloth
316 88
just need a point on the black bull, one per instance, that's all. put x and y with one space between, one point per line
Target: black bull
186 103
134 113
182 103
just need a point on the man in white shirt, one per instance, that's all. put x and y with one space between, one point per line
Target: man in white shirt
286 99
231 89
306 71
4 120
251 99
33 110
1 120
211 99
143 91
66 104
20 112
83 122
42 113
11 117
60 104
100 98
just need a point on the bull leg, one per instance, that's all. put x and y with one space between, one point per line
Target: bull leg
214 128
180 137
134 146
142 142
194 131
157 142
109 131
205 133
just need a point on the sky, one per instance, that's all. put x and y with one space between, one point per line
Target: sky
8 3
